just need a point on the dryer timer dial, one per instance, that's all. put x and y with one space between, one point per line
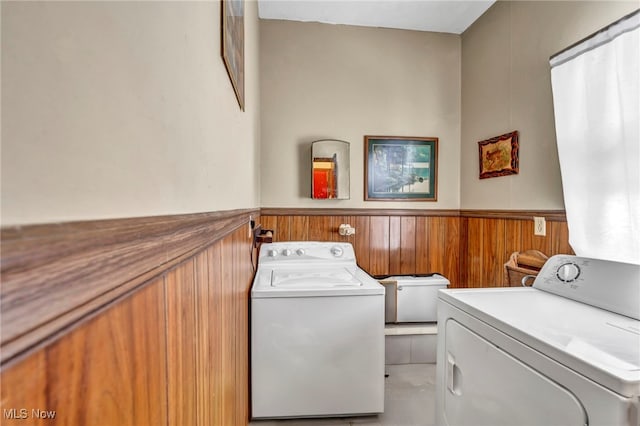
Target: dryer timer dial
568 272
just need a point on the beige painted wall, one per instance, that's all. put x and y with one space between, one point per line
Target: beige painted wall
122 109
506 86
333 81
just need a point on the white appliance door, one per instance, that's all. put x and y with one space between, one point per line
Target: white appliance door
487 386
317 356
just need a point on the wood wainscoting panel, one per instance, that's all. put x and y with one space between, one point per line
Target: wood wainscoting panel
560 238
407 255
438 247
451 250
172 350
24 387
111 370
463 272
384 245
535 242
228 341
475 252
469 247
240 295
422 245
512 242
208 332
211 312
491 240
493 248
362 241
54 275
379 250
283 223
181 343
435 243
299 228
205 337
320 228
394 246
271 223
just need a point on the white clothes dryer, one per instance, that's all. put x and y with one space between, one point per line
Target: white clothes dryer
317 333
563 352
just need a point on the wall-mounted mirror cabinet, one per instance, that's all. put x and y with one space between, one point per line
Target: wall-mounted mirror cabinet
330 169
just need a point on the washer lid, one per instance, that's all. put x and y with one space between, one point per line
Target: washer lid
310 282
599 344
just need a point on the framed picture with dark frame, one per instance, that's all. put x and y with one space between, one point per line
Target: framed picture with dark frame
233 45
400 168
498 156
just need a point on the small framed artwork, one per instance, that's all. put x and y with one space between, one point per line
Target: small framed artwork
399 168
499 156
233 45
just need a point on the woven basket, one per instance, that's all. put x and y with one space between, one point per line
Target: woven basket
521 265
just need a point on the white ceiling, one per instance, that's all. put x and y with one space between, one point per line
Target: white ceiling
448 16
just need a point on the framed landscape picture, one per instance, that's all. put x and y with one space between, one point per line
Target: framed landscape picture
400 168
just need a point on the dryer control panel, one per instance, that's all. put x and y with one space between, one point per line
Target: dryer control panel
605 284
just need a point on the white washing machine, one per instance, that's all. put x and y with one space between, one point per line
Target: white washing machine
317 333
563 352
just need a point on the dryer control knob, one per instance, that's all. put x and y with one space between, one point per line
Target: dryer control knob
300 252
273 253
286 252
568 272
336 251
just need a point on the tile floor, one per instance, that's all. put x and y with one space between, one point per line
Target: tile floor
409 400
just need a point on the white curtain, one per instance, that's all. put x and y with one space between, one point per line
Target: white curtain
596 97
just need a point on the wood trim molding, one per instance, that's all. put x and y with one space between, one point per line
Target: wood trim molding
550 215
54 275
284 211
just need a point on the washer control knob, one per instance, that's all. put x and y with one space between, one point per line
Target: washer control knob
300 252
337 251
568 272
286 252
273 253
